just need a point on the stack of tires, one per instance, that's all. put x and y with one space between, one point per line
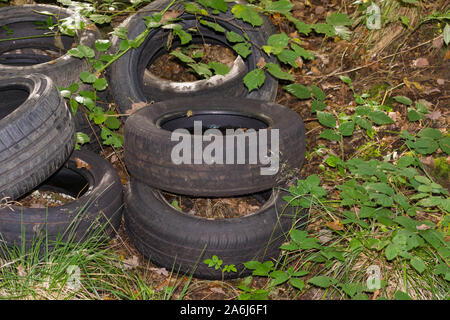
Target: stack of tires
181 241
37 137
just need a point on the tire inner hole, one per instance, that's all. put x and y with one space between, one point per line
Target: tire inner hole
11 97
218 208
213 120
168 67
61 188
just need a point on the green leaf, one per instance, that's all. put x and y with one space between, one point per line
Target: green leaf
280 40
330 134
418 264
317 106
339 19
243 49
444 143
318 93
82 138
111 121
347 128
275 70
219 68
192 7
184 36
400 295
184 58
424 145
254 79
279 277
302 27
102 45
298 90
215 4
87 77
282 6
100 18
289 57
346 80
363 123
380 118
247 14
100 84
201 69
430 133
73 106
297 283
215 26
234 37
302 52
403 100
413 115
322 281
326 119
324 28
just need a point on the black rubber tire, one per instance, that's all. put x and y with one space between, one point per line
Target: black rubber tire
181 242
148 147
96 212
37 133
126 75
64 70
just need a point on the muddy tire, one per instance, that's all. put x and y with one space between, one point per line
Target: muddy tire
27 56
97 210
130 83
149 146
37 133
181 242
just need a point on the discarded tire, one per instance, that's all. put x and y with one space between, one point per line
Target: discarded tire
97 209
181 241
37 133
150 147
34 55
130 83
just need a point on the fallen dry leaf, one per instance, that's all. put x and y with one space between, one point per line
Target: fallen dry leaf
336 225
136 106
421 63
189 113
422 227
82 164
261 63
170 15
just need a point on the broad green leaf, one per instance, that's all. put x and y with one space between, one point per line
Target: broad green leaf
339 19
289 57
111 121
215 26
184 36
254 79
302 27
302 52
192 7
418 264
326 119
298 90
324 28
100 18
102 45
87 77
322 281
281 6
243 49
403 100
330 134
447 33
297 283
234 37
184 58
100 84
380 118
275 70
201 69
82 138
317 106
220 5
444 143
430 133
247 14
347 128
219 68
318 93
413 115
280 40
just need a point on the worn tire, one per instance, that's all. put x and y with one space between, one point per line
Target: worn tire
130 84
37 133
96 212
64 70
148 146
181 242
